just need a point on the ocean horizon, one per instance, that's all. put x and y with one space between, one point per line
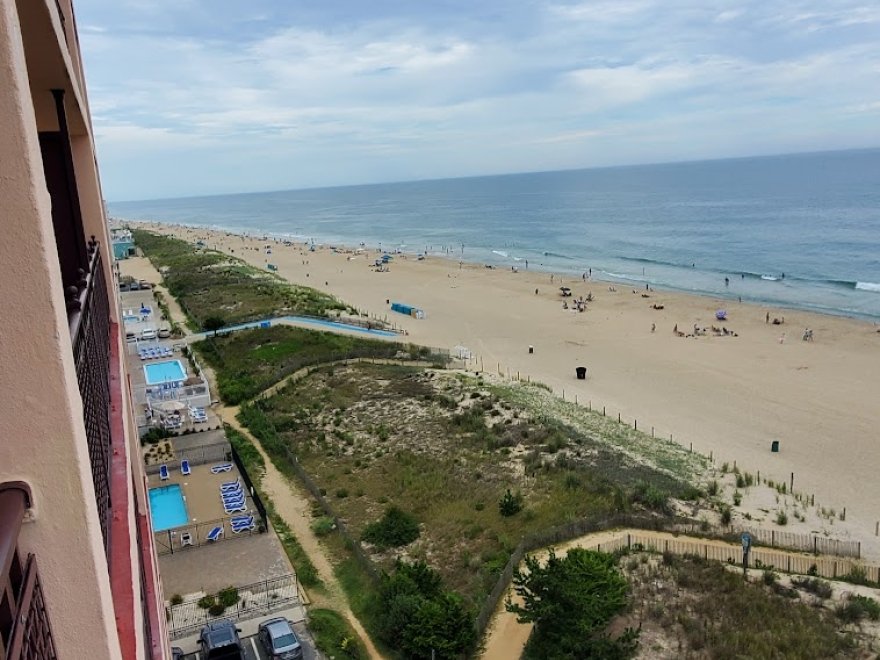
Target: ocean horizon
800 231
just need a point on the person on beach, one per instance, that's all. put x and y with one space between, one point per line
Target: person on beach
767 318
536 292
653 327
726 281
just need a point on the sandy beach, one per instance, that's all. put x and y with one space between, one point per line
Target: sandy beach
728 395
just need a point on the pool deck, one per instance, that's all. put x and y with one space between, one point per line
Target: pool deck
201 489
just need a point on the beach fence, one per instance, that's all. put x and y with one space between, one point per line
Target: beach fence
805 542
187 537
213 453
256 599
707 548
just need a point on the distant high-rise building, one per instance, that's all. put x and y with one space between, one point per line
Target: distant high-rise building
78 573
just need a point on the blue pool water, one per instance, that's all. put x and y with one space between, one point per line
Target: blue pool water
332 325
164 372
167 508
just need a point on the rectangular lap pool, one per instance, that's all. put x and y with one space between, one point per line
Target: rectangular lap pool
171 371
167 508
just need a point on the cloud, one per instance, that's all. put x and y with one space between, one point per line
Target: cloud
338 93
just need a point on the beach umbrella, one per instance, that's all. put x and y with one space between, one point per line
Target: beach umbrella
169 406
721 314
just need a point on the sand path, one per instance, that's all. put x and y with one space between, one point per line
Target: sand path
294 507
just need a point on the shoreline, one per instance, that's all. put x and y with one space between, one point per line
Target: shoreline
505 261
724 395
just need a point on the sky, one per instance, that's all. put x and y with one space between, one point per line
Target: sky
200 97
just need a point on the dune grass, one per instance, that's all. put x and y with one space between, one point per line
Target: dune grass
209 284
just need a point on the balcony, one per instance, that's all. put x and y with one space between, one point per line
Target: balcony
25 633
88 314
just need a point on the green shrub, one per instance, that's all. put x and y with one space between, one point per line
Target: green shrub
395 529
510 504
207 601
712 488
820 588
342 493
176 599
228 596
781 518
726 515
323 526
737 498
857 608
154 435
217 609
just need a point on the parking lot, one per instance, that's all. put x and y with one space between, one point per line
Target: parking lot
254 651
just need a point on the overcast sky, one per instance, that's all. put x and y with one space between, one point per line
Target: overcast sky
193 97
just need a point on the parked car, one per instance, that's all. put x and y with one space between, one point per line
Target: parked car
148 333
219 640
164 332
177 653
279 640
145 285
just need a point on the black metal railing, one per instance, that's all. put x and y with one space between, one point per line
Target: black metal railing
88 313
25 633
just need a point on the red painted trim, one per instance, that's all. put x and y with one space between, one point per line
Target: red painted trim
122 578
151 598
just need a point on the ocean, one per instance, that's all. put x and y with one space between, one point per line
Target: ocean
799 231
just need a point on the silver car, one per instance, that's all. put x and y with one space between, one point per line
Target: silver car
279 640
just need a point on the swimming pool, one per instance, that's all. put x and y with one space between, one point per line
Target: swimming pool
167 508
306 320
164 372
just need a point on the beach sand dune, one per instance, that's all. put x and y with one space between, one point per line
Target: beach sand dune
730 396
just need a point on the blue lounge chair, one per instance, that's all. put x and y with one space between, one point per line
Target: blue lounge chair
241 520
163 472
223 467
234 490
215 533
232 497
246 523
233 501
230 485
235 508
185 468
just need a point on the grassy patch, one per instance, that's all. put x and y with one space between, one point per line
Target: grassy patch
334 636
208 283
445 450
705 610
248 362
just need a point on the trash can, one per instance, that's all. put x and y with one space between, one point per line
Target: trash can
265 324
774 446
581 373
531 349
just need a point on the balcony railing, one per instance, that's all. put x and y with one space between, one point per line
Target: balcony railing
25 633
88 313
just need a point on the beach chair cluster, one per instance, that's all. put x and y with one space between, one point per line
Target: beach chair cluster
197 415
185 470
154 352
233 497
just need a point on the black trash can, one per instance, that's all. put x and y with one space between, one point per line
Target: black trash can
581 373
774 446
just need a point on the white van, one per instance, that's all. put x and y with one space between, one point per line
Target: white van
148 333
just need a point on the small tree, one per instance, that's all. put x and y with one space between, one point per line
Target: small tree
213 324
571 600
510 504
395 529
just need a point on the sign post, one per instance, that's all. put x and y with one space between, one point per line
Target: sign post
746 539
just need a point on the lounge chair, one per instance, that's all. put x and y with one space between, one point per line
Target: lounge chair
234 500
185 469
222 467
215 533
186 539
246 523
235 508
163 472
241 520
232 494
230 485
